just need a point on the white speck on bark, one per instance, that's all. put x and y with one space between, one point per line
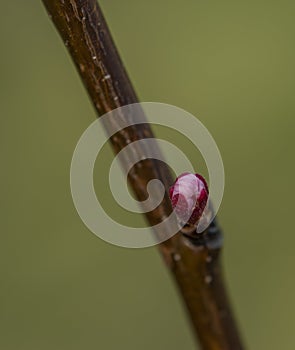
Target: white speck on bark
208 279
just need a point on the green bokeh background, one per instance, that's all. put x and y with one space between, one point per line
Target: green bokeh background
231 63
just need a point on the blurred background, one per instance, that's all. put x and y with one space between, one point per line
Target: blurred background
229 63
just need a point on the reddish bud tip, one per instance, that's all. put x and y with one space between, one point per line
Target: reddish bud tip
189 196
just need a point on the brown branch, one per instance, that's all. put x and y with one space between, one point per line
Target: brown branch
194 262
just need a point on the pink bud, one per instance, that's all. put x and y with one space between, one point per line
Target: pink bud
189 196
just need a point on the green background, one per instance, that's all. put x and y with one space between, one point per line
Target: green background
230 63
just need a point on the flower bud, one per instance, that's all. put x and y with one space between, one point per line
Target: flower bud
189 196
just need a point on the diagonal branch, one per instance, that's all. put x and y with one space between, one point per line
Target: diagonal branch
194 262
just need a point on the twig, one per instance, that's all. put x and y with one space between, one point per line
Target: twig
195 263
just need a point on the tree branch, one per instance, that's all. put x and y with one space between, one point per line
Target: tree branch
194 262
